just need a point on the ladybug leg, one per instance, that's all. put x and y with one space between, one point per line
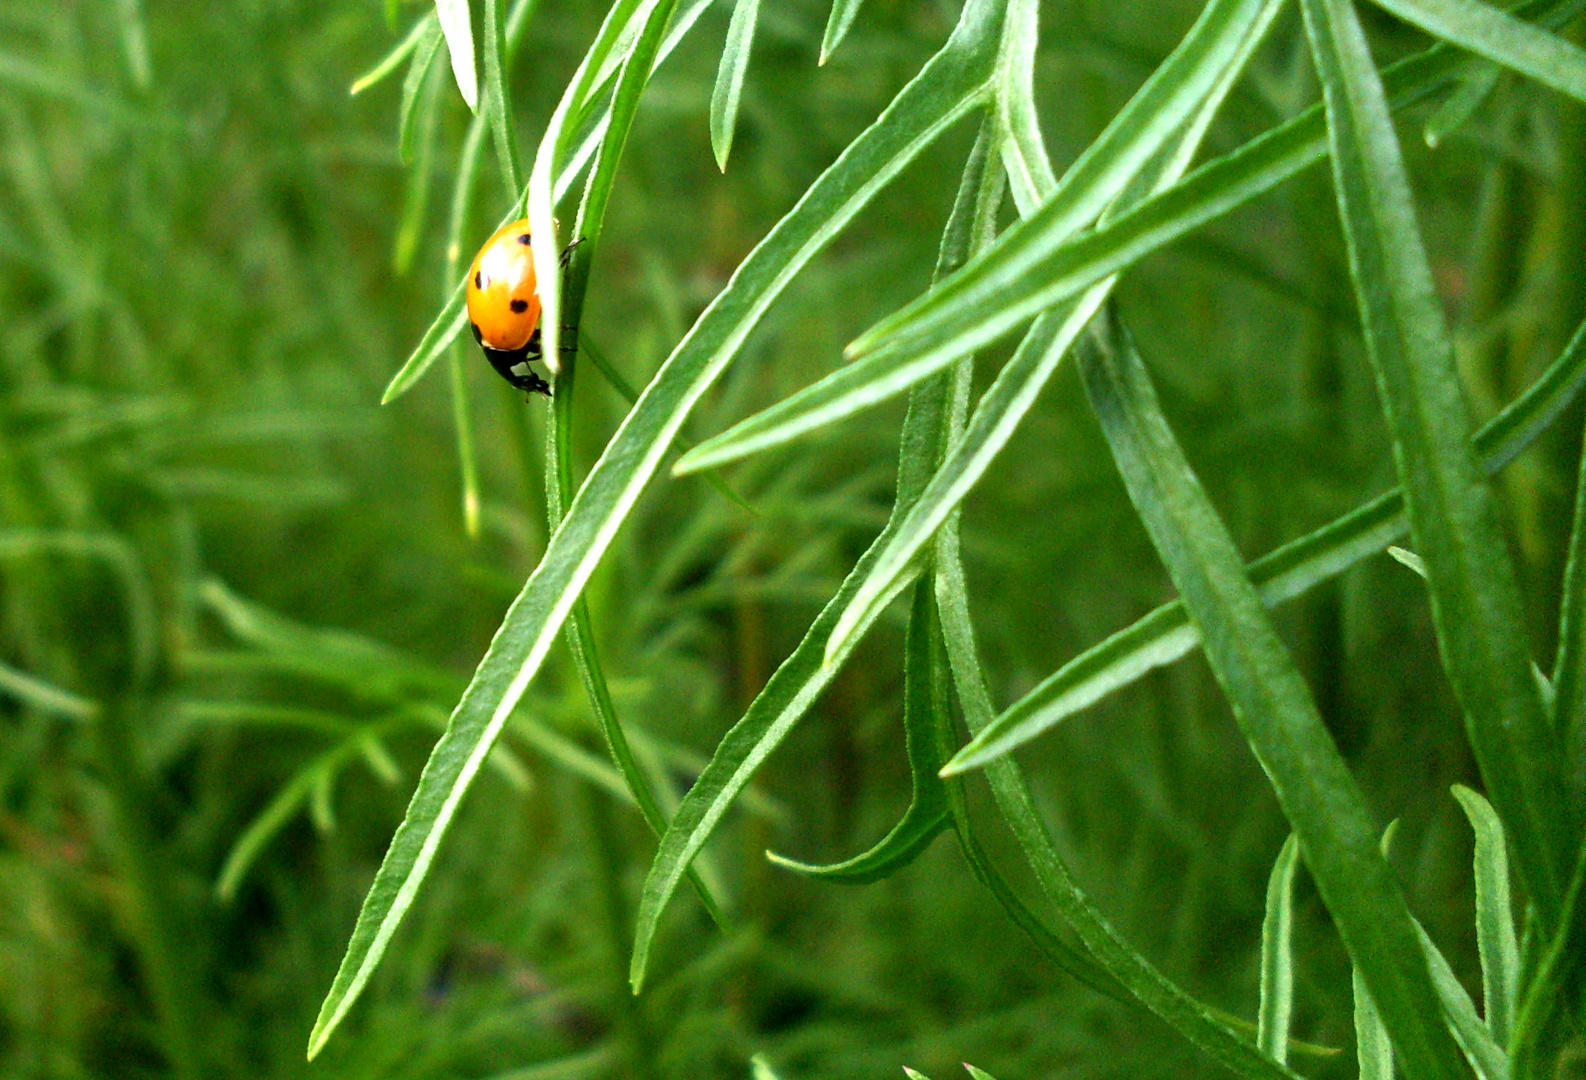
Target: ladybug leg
567 252
513 366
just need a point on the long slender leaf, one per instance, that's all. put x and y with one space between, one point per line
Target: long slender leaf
394 58
1495 937
1557 960
927 813
1272 705
460 44
1175 91
1166 634
35 693
841 20
1500 37
728 93
1277 956
1037 263
1473 1036
1373 1051
417 78
1457 109
1118 959
948 86
499 103
1569 664
1453 517
1011 396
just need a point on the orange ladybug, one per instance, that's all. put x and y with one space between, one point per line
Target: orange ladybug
504 306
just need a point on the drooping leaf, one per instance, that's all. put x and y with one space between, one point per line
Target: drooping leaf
1476 605
944 90
1277 956
459 33
1500 37
1271 703
1495 936
394 58
1166 634
734 67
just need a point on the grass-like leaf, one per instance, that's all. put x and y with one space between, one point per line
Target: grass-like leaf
35 693
1118 960
1453 516
1456 110
1160 108
1373 1051
424 54
1495 937
460 44
949 85
1569 664
725 97
1166 634
1558 958
393 59
1277 956
927 813
1021 380
1483 1053
842 17
1038 263
1271 703
498 102
1500 37
945 89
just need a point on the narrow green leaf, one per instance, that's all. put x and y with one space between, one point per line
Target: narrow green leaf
1277 956
1271 703
135 42
1561 957
1118 960
1457 109
1039 263
947 87
1453 517
499 103
841 20
1483 1053
1223 35
729 79
1495 936
1373 1050
417 79
977 1074
1500 37
1166 634
459 33
394 58
37 694
1005 404
760 1068
927 812
421 135
1569 664
274 817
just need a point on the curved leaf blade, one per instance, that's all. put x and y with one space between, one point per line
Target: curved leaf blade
724 99
1271 703
1500 37
1277 955
1476 605
1166 634
459 33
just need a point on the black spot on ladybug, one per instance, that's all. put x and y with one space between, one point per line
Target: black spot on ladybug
520 306
523 238
477 335
479 279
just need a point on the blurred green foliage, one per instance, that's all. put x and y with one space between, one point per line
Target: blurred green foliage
238 599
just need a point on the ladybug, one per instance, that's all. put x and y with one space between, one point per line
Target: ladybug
504 305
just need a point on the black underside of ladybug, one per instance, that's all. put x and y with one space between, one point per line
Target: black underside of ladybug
506 360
